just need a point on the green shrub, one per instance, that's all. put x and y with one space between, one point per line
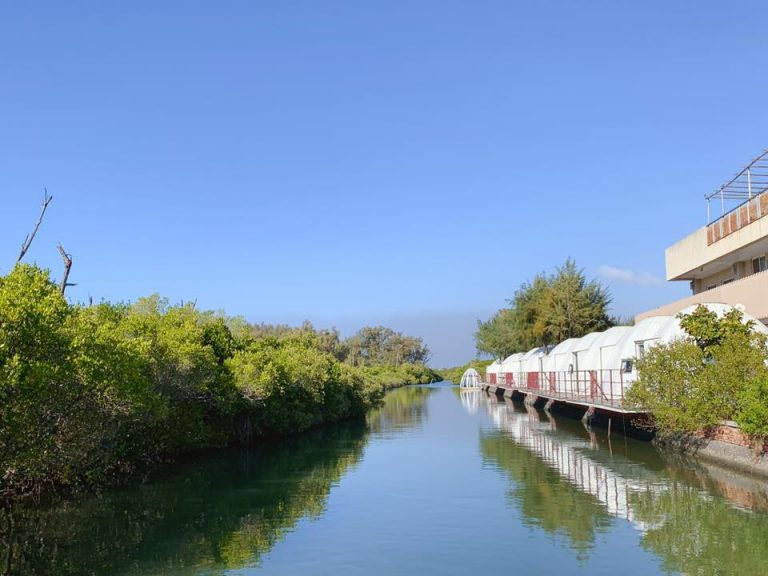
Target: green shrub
291 386
696 382
668 387
753 412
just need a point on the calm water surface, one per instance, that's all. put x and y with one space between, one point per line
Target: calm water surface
437 482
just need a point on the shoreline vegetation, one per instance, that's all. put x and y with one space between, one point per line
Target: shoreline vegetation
689 387
455 373
92 395
692 386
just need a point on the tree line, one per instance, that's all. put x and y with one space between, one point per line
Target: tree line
545 311
369 346
89 394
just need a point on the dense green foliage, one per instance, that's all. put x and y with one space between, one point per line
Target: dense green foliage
752 413
548 310
454 374
717 373
89 394
380 346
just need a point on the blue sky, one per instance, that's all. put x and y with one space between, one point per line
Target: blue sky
398 163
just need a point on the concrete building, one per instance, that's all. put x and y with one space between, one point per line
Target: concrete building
726 261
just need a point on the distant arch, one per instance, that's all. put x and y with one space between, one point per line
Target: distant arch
471 379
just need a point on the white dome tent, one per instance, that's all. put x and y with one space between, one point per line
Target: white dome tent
471 379
493 372
511 368
560 358
598 367
531 367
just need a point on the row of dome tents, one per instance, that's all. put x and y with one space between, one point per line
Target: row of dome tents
597 367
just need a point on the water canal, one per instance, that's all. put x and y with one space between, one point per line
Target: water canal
437 482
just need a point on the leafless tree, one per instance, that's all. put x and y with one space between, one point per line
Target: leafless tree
67 266
28 240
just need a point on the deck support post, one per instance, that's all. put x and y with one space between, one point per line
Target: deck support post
549 403
587 418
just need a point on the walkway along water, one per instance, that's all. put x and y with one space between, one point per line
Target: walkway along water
593 371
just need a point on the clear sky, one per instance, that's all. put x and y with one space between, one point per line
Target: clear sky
351 163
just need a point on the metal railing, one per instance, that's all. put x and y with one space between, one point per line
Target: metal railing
750 181
603 387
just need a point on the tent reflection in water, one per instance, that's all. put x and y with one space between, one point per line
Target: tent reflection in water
471 379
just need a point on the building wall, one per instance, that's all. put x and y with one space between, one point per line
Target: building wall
717 279
751 292
742 270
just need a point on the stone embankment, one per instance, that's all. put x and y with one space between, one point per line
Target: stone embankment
726 445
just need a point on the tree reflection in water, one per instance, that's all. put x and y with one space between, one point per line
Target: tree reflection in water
217 513
696 517
403 409
223 512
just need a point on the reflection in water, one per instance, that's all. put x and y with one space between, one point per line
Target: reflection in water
470 399
217 513
223 512
402 409
226 513
697 518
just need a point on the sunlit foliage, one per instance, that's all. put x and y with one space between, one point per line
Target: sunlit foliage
714 374
89 394
545 311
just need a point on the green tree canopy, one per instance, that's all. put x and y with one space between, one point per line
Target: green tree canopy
545 311
89 394
374 345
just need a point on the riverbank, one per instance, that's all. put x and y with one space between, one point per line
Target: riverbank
725 445
94 395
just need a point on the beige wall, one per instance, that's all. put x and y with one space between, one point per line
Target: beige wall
751 292
743 269
718 278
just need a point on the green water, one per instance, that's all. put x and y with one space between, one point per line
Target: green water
436 482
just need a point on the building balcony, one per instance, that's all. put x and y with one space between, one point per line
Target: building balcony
696 258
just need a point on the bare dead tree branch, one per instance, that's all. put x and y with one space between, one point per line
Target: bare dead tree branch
67 266
28 240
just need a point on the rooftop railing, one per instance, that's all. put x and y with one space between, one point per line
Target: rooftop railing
743 199
750 181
